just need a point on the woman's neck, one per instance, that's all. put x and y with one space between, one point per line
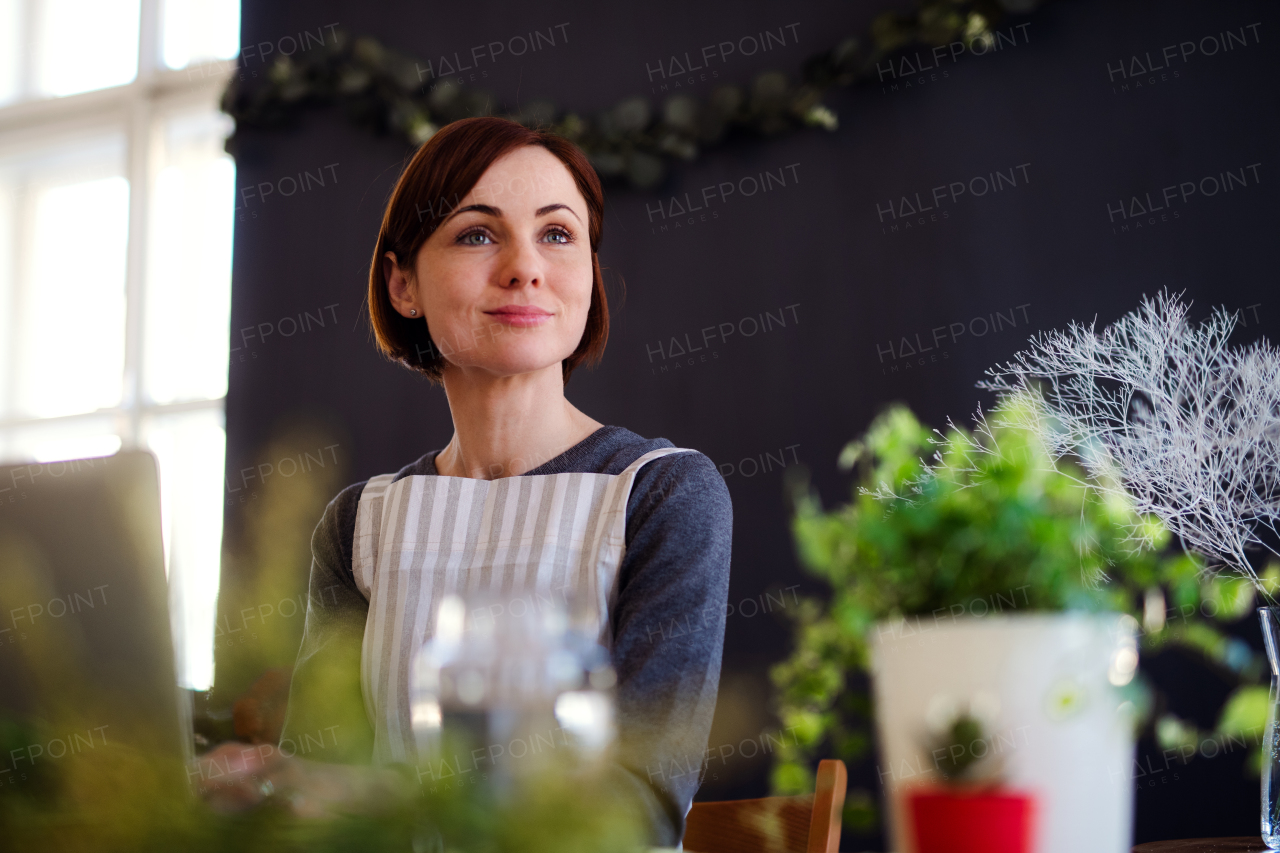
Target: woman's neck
505 426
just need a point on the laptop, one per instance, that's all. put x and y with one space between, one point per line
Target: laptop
87 677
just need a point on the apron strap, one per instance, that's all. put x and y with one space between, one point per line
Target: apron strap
611 550
364 550
634 467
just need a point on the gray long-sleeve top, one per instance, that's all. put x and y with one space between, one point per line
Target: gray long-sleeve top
668 623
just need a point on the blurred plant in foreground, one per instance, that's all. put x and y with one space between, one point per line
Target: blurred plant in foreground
113 797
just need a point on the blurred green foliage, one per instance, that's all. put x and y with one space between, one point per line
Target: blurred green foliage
114 798
262 600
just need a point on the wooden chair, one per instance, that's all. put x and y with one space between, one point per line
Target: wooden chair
807 824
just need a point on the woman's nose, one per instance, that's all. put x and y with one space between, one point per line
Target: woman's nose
521 264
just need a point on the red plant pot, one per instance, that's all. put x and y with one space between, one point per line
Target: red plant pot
987 820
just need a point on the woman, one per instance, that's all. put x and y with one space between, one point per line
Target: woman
485 278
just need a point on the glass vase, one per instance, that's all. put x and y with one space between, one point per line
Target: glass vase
1270 618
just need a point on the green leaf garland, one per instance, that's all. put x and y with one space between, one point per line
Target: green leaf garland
631 142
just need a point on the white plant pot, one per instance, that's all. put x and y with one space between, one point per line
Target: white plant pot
1057 723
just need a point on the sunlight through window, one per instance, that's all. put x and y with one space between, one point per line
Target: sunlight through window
71 356
199 30
115 260
82 45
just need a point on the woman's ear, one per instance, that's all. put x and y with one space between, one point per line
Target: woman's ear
400 287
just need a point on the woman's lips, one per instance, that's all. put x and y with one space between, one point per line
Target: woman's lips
520 315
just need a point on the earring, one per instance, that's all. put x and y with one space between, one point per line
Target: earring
413 312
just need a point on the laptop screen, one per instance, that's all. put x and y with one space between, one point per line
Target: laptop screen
87 678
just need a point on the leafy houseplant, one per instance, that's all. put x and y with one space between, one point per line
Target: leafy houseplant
994 523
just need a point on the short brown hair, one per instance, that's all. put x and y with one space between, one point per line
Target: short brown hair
440 174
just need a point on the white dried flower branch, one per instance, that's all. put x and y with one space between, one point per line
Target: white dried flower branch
1167 414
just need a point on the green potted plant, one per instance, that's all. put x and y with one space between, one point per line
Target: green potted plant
993 574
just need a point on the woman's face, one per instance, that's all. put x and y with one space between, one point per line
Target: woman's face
505 282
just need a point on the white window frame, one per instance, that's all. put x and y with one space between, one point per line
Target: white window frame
134 110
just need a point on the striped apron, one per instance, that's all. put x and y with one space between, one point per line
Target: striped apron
424 537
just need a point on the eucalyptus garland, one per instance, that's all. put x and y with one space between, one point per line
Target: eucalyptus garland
631 142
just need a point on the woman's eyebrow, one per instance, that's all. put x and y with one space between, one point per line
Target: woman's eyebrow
478 208
543 211
490 210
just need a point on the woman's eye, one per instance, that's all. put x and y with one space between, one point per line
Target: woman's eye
474 238
558 236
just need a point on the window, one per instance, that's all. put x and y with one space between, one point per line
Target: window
116 212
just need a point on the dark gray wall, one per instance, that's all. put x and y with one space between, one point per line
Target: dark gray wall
1044 110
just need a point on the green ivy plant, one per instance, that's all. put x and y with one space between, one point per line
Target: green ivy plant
631 141
992 517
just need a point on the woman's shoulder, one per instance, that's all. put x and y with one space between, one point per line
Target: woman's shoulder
341 511
612 449
688 475
678 488
331 542
334 535
679 501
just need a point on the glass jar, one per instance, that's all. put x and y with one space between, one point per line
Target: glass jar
507 689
